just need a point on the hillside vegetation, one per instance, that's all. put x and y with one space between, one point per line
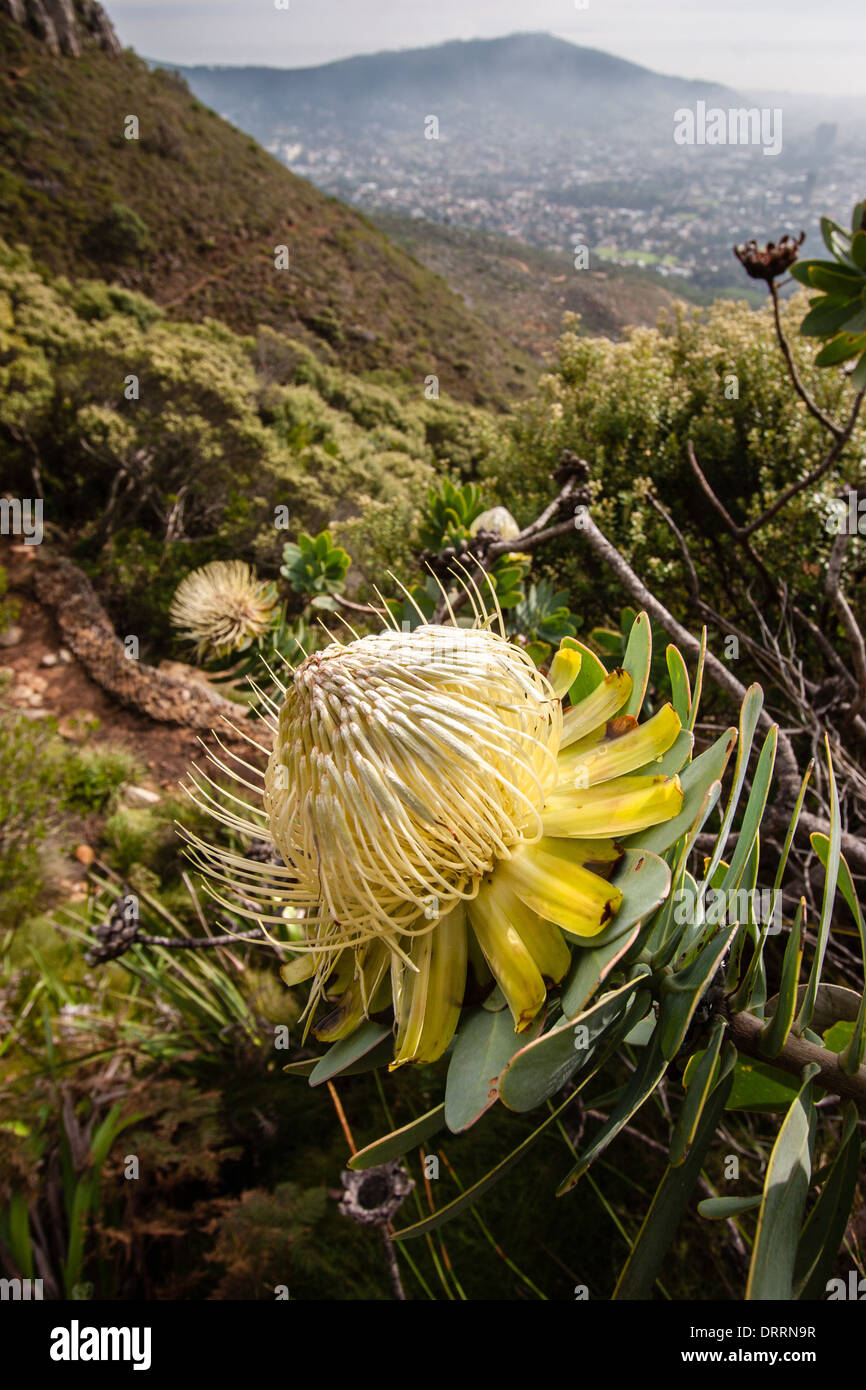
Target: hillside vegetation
157 443
191 212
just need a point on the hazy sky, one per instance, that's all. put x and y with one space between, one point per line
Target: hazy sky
780 45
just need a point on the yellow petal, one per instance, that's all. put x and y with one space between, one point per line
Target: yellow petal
511 962
413 999
543 940
597 707
613 808
298 969
618 756
354 1002
549 878
442 981
564 669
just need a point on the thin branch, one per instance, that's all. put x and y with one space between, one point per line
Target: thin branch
846 616
789 776
744 1030
813 408
816 474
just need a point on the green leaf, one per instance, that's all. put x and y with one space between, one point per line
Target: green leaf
542 1068
592 672
18 1235
760 1087
774 1034
858 249
681 694
789 1171
829 229
696 780
851 1059
637 661
306 1067
840 350
644 880
649 1072
722 1208
669 1206
348 1051
831 314
750 713
698 1088
588 970
400 1141
832 873
682 991
754 812
825 1228
858 376
485 1044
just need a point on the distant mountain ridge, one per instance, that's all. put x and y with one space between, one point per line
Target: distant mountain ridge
523 76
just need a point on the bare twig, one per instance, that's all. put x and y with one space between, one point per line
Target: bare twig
744 1030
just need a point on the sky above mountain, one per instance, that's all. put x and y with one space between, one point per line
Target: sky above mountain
773 45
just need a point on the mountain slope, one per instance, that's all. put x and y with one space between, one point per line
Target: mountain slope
192 211
522 291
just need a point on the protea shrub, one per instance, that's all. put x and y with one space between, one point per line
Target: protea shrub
443 827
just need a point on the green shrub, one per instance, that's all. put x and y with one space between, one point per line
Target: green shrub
9 607
29 807
121 234
92 776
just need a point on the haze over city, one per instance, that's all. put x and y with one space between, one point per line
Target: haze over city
781 45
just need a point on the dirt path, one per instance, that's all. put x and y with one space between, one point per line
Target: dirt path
65 691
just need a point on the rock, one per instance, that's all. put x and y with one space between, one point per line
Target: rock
11 636
49 659
64 655
179 670
84 854
140 796
64 26
77 726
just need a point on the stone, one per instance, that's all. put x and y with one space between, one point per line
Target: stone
11 636
140 796
64 26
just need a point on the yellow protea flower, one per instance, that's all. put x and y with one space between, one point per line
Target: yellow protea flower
222 607
441 824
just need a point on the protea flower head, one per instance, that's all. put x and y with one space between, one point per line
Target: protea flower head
222 607
441 824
